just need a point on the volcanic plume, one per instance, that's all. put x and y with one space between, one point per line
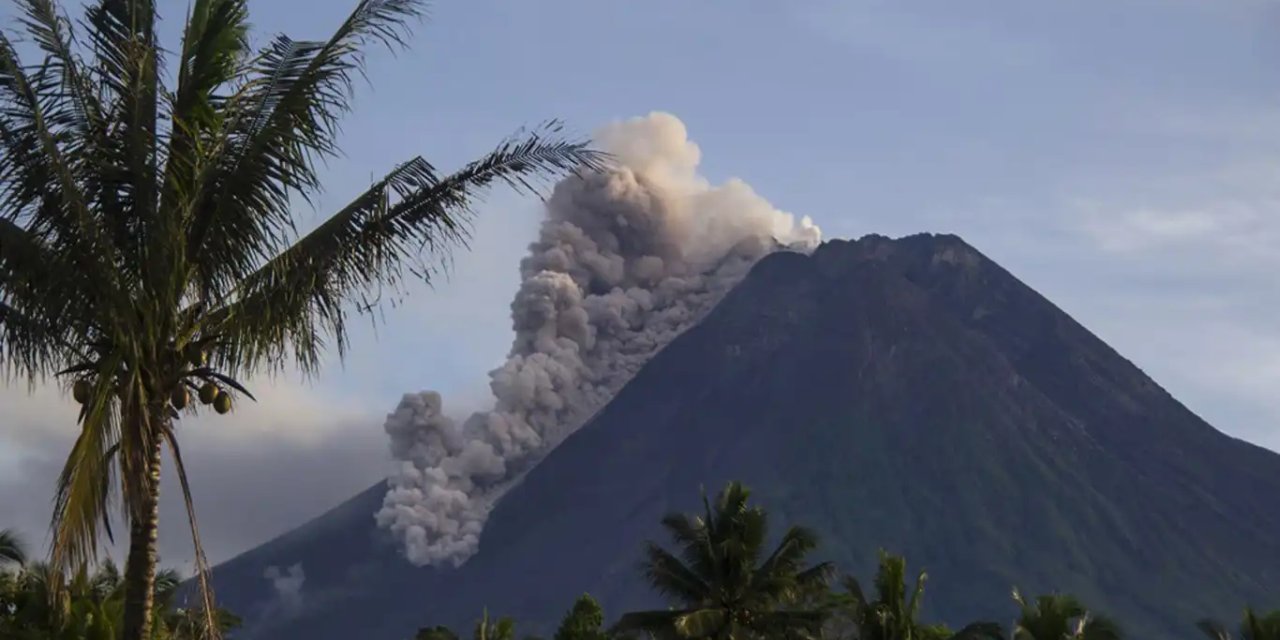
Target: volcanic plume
626 260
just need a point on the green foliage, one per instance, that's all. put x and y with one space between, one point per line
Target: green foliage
724 587
892 613
435 633
585 621
1252 627
37 602
12 549
1059 616
721 581
503 629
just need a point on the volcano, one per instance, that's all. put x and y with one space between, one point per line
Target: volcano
904 394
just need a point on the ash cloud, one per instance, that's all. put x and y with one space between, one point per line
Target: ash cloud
287 585
625 261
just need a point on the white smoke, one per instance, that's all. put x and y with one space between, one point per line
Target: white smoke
625 261
287 585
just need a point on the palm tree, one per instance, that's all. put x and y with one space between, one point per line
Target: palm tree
1060 616
584 621
501 629
147 236
1252 627
893 614
435 633
12 549
723 584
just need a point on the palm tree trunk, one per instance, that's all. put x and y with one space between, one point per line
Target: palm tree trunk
140 568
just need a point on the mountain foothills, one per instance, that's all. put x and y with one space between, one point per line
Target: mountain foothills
906 394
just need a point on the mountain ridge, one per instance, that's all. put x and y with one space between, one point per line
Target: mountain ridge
1035 456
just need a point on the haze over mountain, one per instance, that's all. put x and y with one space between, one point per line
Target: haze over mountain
907 394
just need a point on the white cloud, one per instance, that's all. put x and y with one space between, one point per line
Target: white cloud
1228 231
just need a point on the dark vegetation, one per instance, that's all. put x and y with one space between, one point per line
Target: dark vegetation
38 602
722 581
721 578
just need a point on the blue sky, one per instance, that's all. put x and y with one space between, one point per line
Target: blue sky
1120 156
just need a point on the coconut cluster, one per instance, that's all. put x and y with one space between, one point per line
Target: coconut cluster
195 374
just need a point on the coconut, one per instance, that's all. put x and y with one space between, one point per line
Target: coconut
209 392
180 397
80 391
196 356
222 404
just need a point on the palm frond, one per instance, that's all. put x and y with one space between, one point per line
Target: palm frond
1213 629
215 45
79 108
819 575
128 60
980 631
298 299
42 306
1100 627
796 544
917 594
37 173
47 164
671 577
284 118
83 495
854 592
693 538
701 623
27 347
788 623
655 622
208 608
12 549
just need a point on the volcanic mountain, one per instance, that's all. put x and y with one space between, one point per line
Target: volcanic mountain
902 394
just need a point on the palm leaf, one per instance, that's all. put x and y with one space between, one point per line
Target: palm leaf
79 108
786 560
206 590
42 304
980 631
1099 627
1213 629
297 299
208 608
671 577
788 624
128 68
83 497
12 548
702 623
660 623
40 180
214 46
284 118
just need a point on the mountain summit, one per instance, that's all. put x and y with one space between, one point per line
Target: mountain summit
907 394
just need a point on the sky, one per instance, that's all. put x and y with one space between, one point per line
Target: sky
1122 157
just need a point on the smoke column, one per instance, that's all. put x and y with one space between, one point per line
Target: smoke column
625 261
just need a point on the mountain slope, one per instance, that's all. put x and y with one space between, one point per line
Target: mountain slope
905 394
